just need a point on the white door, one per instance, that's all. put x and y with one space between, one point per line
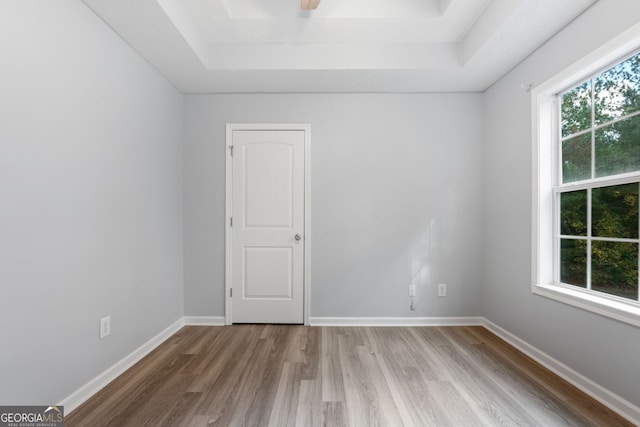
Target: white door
267 226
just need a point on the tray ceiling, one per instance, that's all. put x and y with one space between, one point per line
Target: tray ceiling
205 46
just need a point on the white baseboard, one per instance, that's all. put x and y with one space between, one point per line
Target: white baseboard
396 321
78 397
204 320
599 393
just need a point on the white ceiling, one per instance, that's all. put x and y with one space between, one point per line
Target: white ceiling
232 46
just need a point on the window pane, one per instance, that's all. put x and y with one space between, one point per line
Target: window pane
615 211
573 262
576 158
614 268
617 91
576 109
618 147
573 213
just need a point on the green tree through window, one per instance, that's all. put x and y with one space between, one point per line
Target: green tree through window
600 179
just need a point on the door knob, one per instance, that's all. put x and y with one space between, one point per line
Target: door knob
298 237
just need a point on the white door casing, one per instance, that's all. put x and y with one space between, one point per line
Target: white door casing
267 235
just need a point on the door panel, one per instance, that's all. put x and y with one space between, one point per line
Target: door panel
268 273
268 185
268 212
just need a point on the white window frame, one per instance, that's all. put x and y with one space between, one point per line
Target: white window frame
545 124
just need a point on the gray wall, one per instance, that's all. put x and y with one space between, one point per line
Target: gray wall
601 349
396 198
90 199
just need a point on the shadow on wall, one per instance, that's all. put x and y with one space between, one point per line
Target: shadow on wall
423 262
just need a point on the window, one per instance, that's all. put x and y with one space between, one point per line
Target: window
596 198
587 183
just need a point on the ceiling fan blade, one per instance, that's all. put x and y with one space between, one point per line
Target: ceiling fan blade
309 4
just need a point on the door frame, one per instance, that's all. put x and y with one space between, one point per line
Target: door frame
306 128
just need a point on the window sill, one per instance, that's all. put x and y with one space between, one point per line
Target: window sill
626 313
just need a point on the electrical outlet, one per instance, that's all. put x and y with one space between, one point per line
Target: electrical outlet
105 327
412 290
442 290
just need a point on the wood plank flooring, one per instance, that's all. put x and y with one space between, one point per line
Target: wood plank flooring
283 375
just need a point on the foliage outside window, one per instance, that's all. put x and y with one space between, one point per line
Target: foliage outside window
597 185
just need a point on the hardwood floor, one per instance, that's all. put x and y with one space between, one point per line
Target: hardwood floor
281 375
